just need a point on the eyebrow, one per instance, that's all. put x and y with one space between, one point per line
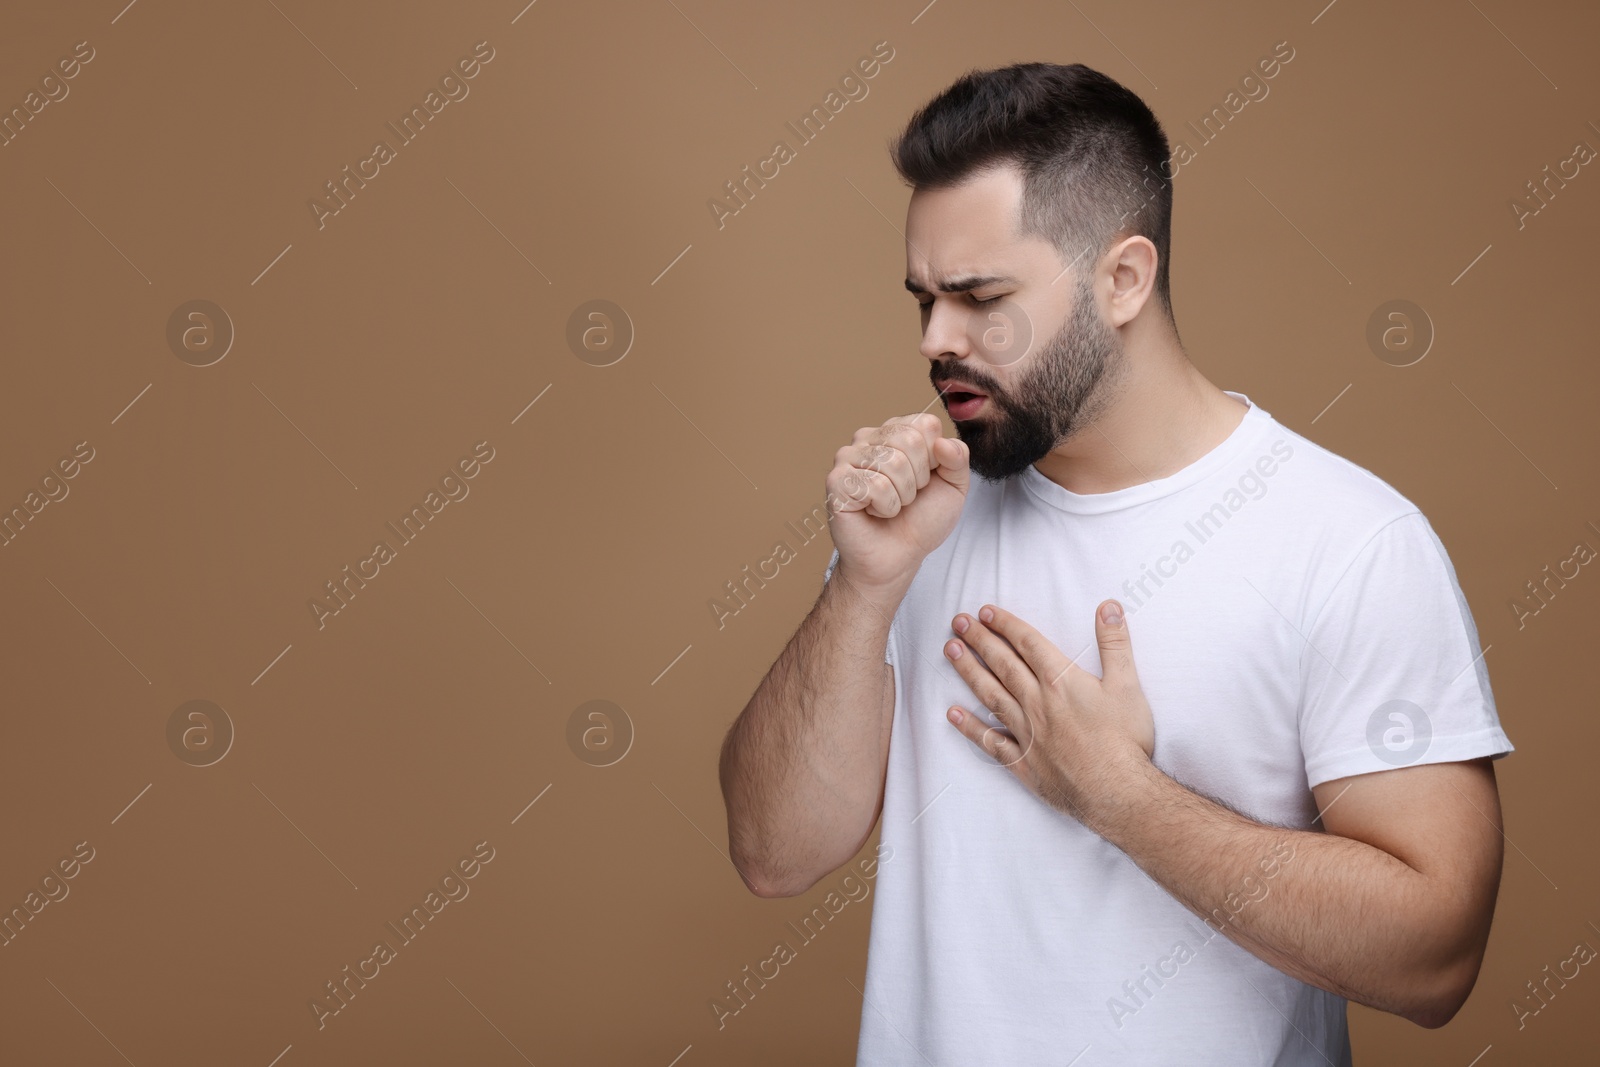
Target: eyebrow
962 283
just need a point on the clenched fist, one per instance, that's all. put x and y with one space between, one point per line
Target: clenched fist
899 488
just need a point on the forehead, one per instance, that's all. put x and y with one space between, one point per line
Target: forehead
969 229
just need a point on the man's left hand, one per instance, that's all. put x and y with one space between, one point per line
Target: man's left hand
1066 730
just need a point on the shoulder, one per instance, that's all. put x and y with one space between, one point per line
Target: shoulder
1361 541
1335 503
1346 521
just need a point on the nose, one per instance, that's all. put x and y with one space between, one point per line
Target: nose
945 334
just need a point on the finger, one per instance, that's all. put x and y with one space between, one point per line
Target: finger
952 457
925 426
856 489
1001 658
932 433
989 690
1047 662
848 486
890 462
1116 648
855 476
997 743
912 440
926 422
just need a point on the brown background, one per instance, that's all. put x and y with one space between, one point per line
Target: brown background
371 354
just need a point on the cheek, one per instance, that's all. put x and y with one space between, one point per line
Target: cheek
1009 381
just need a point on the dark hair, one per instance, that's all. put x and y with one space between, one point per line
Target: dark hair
1094 160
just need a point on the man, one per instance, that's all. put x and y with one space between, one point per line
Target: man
1178 722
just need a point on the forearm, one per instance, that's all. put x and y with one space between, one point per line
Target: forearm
1331 911
802 767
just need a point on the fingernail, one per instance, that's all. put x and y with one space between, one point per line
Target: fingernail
954 715
1111 614
953 649
986 614
961 624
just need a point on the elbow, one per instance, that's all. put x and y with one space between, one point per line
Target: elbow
1439 999
766 880
765 888
770 892
753 880
750 873
1432 1016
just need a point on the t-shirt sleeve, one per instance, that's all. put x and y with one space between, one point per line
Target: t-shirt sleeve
1392 673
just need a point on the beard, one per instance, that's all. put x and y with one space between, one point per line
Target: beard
1063 389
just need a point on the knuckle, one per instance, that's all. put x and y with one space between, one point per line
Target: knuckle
894 447
904 432
854 483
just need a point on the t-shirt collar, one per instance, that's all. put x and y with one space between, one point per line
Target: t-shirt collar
1250 427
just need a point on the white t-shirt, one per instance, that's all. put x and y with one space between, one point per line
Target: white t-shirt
1294 619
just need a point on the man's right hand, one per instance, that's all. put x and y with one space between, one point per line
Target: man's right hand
899 489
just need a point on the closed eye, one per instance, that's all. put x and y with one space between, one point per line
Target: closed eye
925 305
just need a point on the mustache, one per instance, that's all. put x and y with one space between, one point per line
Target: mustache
958 378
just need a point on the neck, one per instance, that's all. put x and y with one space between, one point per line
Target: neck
1155 415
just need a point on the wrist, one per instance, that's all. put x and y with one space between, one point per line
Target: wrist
885 596
1108 795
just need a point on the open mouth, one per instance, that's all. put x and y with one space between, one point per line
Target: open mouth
963 405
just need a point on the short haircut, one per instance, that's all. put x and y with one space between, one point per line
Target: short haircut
1094 160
